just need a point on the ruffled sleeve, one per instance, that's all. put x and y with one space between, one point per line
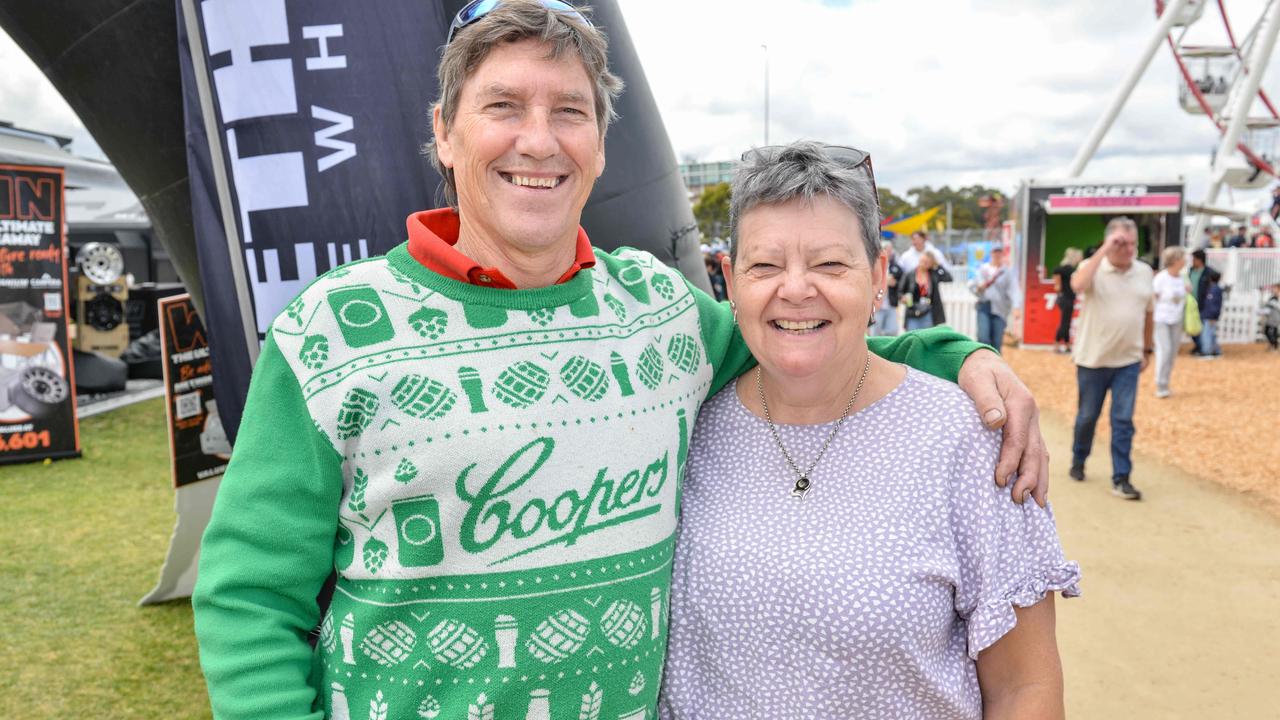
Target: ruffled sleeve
1008 555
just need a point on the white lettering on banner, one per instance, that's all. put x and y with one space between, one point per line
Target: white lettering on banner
271 294
338 124
27 226
248 88
325 61
266 182
1105 191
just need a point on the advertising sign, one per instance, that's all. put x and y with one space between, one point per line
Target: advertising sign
198 447
37 386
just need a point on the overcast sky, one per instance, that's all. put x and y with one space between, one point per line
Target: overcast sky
939 91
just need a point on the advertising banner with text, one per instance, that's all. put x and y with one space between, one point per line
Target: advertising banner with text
37 386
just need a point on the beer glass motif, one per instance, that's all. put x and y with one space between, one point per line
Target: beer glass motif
361 316
418 531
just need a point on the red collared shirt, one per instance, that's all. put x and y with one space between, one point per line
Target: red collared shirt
433 234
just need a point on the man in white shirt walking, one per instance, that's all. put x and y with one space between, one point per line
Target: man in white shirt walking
919 246
1113 345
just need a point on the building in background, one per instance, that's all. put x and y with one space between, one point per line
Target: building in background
698 175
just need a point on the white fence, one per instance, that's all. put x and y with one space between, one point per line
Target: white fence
1239 323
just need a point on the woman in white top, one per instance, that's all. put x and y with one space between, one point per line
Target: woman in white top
1170 296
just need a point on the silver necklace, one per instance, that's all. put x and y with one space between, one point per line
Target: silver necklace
803 483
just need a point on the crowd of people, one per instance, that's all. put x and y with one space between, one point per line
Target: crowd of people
1237 237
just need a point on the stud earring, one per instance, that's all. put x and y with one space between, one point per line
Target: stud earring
733 308
879 294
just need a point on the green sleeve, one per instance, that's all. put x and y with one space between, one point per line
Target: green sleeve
726 351
267 551
939 351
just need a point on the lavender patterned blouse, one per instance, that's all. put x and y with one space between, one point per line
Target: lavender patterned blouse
870 598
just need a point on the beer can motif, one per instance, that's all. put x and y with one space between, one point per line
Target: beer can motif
419 542
361 316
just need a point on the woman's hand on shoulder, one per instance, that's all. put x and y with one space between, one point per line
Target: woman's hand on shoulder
1004 402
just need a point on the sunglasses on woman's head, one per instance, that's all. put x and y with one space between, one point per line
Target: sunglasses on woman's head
477 9
849 157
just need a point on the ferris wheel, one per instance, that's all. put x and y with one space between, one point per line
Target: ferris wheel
1219 81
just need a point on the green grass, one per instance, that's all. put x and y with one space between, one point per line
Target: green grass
80 542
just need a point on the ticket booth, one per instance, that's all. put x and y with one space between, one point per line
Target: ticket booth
1054 216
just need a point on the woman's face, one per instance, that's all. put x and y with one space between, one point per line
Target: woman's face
926 262
803 287
1176 266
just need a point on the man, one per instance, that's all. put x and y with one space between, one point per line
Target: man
1202 277
886 322
484 431
998 295
920 245
1239 239
1113 346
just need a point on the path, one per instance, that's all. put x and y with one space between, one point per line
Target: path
1180 616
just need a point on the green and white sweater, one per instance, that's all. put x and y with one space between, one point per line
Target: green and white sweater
495 476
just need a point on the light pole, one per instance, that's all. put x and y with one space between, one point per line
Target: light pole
766 93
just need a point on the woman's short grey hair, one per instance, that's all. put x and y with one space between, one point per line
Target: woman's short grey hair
1171 255
803 170
513 21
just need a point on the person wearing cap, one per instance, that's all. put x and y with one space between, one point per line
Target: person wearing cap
484 432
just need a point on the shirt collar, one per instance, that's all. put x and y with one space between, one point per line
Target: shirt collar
433 234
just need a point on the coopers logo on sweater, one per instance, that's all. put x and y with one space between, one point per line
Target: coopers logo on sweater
616 497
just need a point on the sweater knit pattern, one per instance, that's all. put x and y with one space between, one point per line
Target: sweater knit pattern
507 518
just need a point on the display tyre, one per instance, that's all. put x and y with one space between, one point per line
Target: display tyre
38 391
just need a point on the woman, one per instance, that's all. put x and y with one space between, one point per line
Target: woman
829 564
1066 302
921 295
1171 297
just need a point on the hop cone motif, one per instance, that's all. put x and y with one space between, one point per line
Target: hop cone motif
429 708
683 351
616 306
585 378
430 323
542 316
521 385
374 554
406 471
650 367
315 352
663 286
356 413
421 397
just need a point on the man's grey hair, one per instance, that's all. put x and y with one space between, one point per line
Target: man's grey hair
513 21
803 170
1121 223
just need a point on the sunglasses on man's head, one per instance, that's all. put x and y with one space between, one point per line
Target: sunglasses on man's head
477 9
852 158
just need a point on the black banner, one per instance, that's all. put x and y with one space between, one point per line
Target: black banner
198 446
37 387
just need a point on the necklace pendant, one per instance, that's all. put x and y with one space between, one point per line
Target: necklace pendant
801 487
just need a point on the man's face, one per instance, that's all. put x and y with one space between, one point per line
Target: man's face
1123 247
524 147
917 242
997 258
